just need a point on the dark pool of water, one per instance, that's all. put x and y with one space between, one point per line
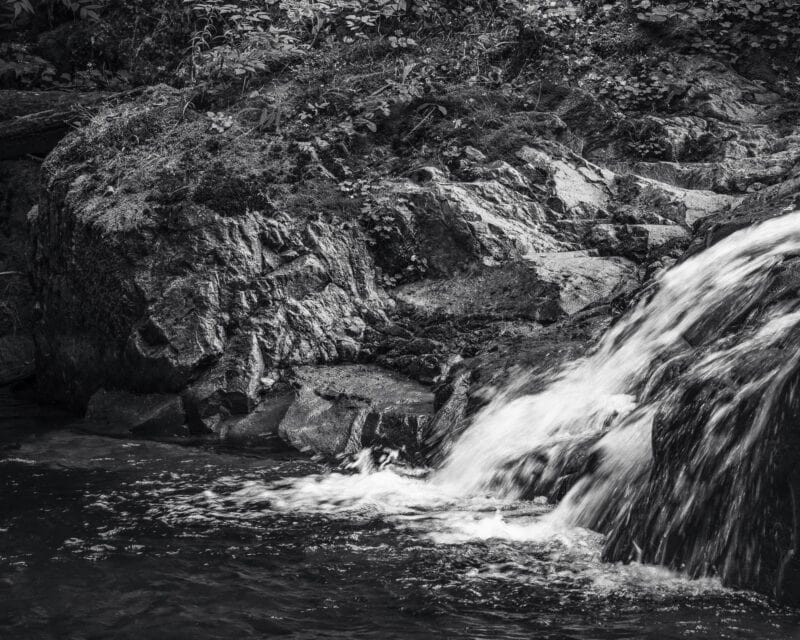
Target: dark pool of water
91 546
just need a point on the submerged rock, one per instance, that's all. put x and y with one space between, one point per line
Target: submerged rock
551 471
122 413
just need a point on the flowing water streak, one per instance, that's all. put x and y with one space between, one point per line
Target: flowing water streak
609 390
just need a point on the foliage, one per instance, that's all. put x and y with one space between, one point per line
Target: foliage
14 11
734 28
234 41
350 19
647 86
388 234
645 139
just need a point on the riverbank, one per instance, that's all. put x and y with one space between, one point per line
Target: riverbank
338 227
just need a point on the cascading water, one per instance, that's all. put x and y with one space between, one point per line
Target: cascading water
701 364
704 324
614 389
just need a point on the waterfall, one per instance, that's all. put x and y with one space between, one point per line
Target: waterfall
700 329
675 437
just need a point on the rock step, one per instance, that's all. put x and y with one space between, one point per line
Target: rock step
327 410
730 176
342 409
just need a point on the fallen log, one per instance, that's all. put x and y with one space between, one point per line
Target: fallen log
33 122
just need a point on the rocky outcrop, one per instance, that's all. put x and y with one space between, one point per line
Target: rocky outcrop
198 283
242 274
206 278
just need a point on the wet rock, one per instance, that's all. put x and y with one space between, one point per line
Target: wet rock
260 427
751 503
342 409
123 413
721 495
232 386
550 472
324 426
451 416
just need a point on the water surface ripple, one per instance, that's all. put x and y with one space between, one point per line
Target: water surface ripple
101 538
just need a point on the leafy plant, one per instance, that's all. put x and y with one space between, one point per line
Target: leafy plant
730 27
234 41
350 19
15 10
391 238
649 85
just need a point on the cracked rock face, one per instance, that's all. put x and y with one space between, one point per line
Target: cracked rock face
189 278
155 293
166 262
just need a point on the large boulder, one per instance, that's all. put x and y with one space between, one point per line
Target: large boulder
158 269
